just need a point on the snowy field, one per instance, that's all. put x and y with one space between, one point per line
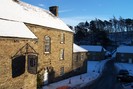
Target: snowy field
93 71
128 67
125 66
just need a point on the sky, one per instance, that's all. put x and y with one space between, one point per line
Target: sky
73 12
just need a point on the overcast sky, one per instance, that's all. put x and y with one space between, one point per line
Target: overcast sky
74 11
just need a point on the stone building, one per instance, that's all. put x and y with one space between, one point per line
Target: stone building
32 41
79 59
15 52
124 54
95 53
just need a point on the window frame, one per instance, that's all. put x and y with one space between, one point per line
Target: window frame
82 57
62 53
62 71
47 44
32 63
62 38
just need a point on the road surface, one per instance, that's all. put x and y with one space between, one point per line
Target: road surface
107 80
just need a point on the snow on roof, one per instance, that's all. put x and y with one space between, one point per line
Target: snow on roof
77 48
15 29
22 12
125 49
93 48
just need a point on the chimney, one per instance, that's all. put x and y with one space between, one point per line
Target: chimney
16 0
54 10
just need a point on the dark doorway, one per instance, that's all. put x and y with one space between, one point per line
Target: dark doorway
18 66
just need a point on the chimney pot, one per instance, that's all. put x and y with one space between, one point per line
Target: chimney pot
54 10
16 0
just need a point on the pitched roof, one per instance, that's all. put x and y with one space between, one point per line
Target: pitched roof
23 12
15 29
77 48
125 49
93 48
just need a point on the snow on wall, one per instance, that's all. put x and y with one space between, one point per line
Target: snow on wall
15 29
20 11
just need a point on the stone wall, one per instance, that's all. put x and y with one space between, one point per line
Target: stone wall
96 56
124 57
80 62
9 48
52 59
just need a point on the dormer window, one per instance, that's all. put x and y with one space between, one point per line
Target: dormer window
62 39
47 44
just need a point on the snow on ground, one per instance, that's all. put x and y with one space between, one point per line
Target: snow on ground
128 86
96 66
93 71
128 67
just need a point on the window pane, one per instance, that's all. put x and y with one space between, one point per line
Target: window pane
62 37
47 44
61 70
82 56
62 54
32 64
